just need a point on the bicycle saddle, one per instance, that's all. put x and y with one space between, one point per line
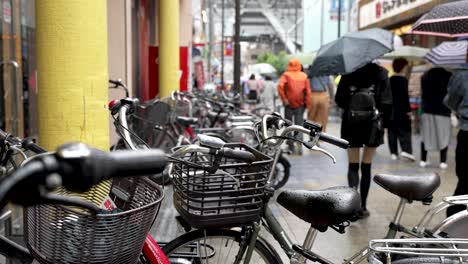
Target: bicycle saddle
187 121
323 208
412 188
221 117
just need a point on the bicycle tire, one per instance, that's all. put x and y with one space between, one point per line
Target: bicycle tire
279 182
162 139
262 249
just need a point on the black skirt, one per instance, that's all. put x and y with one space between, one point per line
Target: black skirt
252 96
369 133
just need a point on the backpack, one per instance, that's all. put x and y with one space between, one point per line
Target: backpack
362 106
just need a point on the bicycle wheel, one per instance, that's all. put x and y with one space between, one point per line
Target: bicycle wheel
282 170
215 246
162 139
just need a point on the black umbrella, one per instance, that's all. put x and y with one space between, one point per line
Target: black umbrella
351 52
446 20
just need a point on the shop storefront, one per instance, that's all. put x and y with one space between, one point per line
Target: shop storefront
18 66
398 16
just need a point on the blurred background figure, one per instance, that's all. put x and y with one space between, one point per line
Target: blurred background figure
435 120
254 88
322 87
359 94
294 90
269 94
399 128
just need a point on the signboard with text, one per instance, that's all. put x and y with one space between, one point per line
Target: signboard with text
379 10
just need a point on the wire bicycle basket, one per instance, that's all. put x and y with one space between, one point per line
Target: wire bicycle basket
231 196
57 234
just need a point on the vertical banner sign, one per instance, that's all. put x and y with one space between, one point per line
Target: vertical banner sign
334 9
228 49
199 73
7 12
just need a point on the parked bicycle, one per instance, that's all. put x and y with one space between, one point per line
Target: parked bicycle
325 209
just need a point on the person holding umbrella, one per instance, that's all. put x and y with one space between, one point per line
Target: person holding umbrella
363 93
365 96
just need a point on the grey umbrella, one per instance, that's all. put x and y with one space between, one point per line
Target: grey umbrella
351 52
448 54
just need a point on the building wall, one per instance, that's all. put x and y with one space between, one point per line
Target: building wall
320 30
118 51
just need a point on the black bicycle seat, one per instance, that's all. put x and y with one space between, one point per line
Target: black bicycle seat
412 188
221 116
187 121
322 208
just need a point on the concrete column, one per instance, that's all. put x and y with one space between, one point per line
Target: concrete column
168 47
72 72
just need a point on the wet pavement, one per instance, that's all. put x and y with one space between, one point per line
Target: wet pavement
314 171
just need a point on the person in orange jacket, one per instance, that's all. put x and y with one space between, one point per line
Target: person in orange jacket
294 90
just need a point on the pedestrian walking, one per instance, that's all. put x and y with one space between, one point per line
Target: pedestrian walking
294 90
322 87
254 88
366 97
269 94
399 128
435 120
457 100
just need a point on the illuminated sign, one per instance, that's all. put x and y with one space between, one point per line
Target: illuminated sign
378 10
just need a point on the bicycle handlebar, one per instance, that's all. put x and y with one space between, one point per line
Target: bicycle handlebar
225 152
79 168
279 123
27 143
82 167
119 83
339 142
239 154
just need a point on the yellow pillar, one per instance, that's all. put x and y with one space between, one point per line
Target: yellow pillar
72 72
168 47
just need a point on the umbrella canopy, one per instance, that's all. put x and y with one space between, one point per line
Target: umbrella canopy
306 58
446 20
448 54
262 68
408 52
351 52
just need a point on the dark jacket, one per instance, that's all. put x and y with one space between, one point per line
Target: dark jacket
401 104
434 89
457 96
371 74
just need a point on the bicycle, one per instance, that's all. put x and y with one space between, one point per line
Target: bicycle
324 209
77 167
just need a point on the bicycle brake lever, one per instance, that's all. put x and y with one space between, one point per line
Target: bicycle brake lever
321 150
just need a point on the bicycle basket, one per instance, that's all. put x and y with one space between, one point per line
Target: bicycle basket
231 196
57 234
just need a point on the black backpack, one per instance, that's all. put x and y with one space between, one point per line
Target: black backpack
362 105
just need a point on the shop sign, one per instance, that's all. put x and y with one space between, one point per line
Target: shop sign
7 12
378 10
